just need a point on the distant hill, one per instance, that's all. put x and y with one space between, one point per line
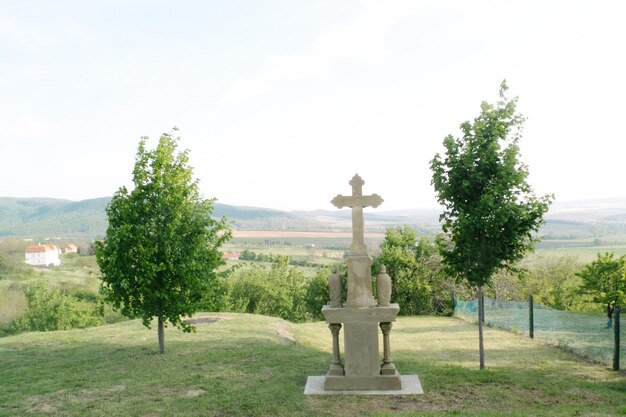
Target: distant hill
48 217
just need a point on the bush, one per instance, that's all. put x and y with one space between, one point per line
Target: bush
280 291
50 309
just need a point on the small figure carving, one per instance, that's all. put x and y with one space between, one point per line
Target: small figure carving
383 287
334 285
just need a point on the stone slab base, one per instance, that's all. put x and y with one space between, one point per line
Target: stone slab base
410 385
362 383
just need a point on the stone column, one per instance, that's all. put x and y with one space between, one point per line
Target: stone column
335 367
388 368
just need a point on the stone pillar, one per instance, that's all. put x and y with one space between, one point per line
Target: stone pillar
359 282
335 367
388 368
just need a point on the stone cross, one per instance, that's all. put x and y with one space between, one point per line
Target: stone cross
357 201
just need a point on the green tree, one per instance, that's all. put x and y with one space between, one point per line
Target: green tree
490 212
605 280
419 286
162 245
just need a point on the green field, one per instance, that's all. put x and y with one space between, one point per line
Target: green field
585 254
246 365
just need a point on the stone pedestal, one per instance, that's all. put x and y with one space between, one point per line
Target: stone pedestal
362 367
362 371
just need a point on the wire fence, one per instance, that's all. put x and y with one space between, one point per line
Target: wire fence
585 334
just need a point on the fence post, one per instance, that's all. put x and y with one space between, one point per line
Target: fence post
531 317
616 333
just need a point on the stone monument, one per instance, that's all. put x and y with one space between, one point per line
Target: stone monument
361 371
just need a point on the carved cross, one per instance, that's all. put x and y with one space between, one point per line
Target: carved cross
357 201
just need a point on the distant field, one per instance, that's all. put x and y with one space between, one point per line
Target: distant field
586 254
297 234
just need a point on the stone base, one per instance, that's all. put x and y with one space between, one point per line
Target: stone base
410 385
362 383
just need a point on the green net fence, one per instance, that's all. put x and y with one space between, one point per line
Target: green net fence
584 334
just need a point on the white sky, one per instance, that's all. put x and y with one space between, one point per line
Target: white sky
281 102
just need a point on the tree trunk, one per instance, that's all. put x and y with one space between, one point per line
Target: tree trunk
481 318
161 336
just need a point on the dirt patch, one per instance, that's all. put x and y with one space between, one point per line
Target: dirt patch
284 332
117 388
201 320
43 408
43 404
193 393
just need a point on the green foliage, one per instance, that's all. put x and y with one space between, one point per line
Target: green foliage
279 291
50 309
552 280
418 283
554 283
162 245
605 280
317 293
490 212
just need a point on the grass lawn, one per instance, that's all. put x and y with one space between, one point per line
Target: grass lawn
247 365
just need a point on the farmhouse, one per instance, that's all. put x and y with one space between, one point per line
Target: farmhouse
42 255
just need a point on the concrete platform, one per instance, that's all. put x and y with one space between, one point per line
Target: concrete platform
410 386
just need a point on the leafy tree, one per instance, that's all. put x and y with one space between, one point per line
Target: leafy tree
414 265
161 250
605 280
490 212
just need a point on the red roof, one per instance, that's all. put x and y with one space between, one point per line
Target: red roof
40 248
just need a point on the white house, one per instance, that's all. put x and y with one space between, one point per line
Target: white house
42 255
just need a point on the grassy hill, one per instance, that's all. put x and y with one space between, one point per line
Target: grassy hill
246 365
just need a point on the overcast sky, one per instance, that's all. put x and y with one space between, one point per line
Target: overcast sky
281 102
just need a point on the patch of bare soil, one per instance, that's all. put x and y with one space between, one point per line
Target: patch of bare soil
201 320
193 393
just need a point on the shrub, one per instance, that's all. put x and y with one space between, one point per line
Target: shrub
279 291
50 309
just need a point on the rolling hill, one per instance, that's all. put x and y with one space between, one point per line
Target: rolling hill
49 217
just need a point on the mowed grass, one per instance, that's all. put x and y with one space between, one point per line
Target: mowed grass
247 365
